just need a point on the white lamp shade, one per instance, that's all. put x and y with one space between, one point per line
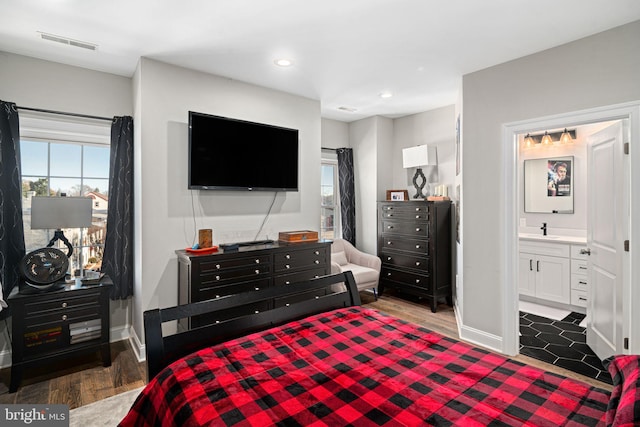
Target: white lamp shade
61 212
421 155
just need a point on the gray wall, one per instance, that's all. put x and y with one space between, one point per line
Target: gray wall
166 209
596 71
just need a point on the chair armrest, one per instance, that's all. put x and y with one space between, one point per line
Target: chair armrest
365 260
335 268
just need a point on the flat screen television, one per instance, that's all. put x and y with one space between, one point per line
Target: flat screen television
231 154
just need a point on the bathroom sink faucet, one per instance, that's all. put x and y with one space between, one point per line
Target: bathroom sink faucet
544 228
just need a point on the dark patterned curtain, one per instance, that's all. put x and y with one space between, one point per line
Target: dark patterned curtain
11 228
347 194
118 247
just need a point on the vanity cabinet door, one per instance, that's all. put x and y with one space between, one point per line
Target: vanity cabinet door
553 278
527 272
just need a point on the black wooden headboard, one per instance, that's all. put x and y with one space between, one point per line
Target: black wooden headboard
162 350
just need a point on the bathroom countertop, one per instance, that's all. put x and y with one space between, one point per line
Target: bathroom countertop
553 238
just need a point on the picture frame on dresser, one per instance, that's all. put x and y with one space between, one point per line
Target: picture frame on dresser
398 195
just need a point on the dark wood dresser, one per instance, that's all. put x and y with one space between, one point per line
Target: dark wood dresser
415 245
48 326
203 277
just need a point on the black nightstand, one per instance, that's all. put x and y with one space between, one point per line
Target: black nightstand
50 326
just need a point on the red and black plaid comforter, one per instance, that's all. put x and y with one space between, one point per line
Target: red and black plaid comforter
356 366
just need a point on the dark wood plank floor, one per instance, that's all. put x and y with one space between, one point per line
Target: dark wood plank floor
83 380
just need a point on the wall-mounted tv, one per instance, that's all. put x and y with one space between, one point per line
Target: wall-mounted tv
231 154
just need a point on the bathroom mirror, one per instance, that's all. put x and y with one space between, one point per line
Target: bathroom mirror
548 185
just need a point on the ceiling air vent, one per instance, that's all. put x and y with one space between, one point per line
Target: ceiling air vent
68 41
348 109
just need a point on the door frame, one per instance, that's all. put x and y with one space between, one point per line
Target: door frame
510 131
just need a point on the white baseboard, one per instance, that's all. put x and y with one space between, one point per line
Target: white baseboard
138 347
481 338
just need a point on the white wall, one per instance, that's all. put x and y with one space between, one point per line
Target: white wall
335 134
35 83
164 214
595 71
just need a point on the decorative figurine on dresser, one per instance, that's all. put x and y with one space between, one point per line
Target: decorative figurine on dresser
415 246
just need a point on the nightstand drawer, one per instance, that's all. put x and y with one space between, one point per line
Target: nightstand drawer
66 303
65 315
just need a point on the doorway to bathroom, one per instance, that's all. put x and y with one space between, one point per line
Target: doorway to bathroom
514 135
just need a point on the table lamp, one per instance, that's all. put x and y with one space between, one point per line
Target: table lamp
61 212
416 157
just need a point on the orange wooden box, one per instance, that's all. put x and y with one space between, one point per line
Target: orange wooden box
298 236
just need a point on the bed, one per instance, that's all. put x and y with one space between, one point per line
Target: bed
327 361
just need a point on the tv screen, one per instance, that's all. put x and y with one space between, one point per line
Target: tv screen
230 154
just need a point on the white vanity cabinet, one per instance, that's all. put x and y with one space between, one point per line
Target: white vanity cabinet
579 276
545 271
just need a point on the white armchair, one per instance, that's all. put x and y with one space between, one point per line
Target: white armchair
365 267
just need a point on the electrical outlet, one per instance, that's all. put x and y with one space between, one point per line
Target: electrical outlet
523 222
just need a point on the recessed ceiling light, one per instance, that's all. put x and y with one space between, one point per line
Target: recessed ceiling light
386 94
283 62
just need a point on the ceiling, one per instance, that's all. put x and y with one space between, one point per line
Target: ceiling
345 52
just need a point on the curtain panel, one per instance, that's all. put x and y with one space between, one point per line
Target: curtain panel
118 248
347 194
12 248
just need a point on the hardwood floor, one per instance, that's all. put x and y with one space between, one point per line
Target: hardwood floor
79 381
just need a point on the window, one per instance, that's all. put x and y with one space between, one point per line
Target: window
59 157
329 207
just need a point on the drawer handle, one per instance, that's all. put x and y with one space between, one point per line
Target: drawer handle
287 305
287 282
218 266
582 283
217 296
317 297
417 216
316 276
582 298
417 263
64 317
287 256
257 261
317 261
389 227
287 266
417 209
388 258
217 277
388 274
389 215
417 246
417 280
389 243
582 267
64 305
585 251
389 208
257 311
257 288
317 252
418 229
257 271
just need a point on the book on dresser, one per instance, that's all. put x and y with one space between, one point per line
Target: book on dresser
415 244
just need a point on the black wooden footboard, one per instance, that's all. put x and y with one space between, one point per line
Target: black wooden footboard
162 350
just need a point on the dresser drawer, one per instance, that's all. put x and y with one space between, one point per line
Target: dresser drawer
213 279
406 209
577 251
287 279
406 278
405 244
410 228
230 289
405 260
406 215
230 263
306 258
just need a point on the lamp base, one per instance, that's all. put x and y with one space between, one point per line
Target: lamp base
419 186
59 235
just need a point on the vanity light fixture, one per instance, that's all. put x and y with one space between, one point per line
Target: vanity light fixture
565 138
529 142
546 139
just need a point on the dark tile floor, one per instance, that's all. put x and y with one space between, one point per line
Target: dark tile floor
562 343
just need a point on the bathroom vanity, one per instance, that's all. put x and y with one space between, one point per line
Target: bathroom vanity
553 269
